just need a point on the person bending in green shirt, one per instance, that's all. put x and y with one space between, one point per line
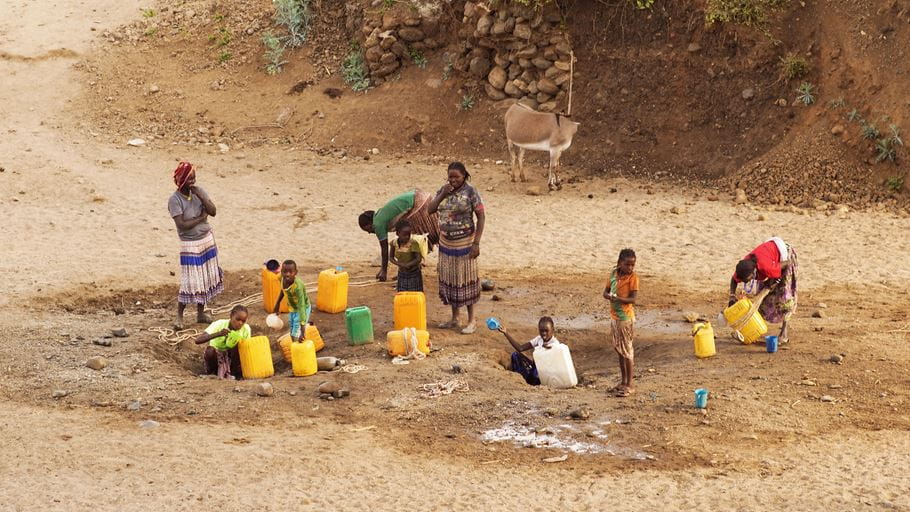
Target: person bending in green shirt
221 357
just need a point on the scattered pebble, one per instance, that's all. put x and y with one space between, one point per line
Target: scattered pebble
457 369
690 316
136 142
328 387
827 398
807 382
104 342
96 363
487 285
834 386
560 458
119 311
135 405
837 359
59 393
818 314
496 298
119 333
149 424
264 389
533 190
580 414
340 393
154 88
821 305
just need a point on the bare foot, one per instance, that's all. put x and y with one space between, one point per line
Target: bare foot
204 318
470 329
451 324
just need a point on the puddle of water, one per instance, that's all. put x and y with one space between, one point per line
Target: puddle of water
560 437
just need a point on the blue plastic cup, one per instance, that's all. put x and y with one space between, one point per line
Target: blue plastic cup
771 344
493 324
701 398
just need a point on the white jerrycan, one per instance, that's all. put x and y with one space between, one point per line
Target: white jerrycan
554 366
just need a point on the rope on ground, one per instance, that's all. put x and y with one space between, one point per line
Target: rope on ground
411 344
172 337
353 368
441 388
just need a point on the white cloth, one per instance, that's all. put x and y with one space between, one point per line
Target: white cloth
538 342
781 248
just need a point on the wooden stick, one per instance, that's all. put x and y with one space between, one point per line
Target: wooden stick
571 73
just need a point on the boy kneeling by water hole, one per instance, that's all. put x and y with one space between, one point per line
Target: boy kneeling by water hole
522 364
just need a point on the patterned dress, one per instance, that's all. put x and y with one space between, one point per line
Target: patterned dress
459 284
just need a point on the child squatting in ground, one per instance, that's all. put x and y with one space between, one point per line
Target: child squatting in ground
522 364
221 356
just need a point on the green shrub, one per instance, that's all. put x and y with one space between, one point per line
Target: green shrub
417 57
751 13
296 16
354 70
467 102
805 94
895 183
274 53
148 13
869 131
793 66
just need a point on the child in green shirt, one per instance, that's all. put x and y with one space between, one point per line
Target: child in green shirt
294 289
221 356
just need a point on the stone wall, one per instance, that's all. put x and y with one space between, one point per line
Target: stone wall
516 52
390 36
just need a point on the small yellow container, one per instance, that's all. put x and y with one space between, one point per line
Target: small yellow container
751 329
410 310
703 335
397 345
303 359
312 333
284 343
332 292
271 287
256 357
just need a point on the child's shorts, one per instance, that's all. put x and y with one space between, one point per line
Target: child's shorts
525 366
294 322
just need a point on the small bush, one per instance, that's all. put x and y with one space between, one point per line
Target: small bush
643 4
354 70
896 135
417 57
793 66
296 16
274 53
467 102
221 38
148 13
838 103
224 57
805 94
751 13
895 183
869 131
854 115
886 147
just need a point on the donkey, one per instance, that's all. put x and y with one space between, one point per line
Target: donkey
528 129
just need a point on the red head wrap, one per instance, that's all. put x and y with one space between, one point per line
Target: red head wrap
182 174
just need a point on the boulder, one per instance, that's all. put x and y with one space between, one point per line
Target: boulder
543 97
525 63
373 54
494 93
528 52
550 53
398 48
512 90
546 85
411 34
562 65
549 106
502 27
497 77
387 69
480 66
390 20
483 25
563 49
388 57
387 42
541 63
523 31
501 60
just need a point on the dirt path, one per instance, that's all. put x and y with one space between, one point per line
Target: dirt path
82 215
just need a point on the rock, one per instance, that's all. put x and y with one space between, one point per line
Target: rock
147 424
480 66
103 342
690 316
411 34
484 23
223 148
494 93
562 65
818 314
761 217
533 190
374 151
264 389
497 77
837 359
153 89
487 285
675 210
549 106
326 396
59 393
580 414
135 405
522 31
541 63
457 369
546 85
96 363
495 298
119 333
328 387
340 393
528 52
388 58
827 398
512 90
748 94
119 311
693 48
821 305
136 142
740 197
781 102
807 382
837 129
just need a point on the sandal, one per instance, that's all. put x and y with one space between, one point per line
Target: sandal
451 324
470 329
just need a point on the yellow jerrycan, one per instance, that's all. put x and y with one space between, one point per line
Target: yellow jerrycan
256 358
312 333
410 310
284 343
271 287
703 334
332 291
303 359
750 327
398 345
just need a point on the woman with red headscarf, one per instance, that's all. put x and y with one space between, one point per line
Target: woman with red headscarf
200 274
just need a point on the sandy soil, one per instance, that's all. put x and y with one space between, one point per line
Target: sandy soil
86 230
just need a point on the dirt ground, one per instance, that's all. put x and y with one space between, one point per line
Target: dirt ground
89 248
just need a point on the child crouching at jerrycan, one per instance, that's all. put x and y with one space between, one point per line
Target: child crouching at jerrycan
550 363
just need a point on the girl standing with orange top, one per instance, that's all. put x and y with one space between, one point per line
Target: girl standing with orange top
621 290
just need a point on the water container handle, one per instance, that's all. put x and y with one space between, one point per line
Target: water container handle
699 327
